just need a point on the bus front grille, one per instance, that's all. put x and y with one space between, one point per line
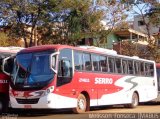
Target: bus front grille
27 101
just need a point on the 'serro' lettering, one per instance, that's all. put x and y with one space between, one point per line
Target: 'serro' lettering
103 80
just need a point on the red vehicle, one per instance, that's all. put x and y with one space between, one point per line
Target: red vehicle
158 81
5 52
61 76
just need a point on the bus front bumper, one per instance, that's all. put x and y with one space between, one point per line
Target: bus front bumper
50 101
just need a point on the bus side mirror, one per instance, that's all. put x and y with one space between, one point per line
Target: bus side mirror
7 65
53 62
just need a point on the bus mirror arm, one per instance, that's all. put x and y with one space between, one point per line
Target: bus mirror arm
55 71
4 63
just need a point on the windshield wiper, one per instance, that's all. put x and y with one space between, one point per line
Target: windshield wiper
24 73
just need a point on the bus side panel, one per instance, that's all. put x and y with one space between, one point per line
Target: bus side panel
4 85
142 85
108 89
95 84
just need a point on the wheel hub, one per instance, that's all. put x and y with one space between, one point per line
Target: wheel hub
81 104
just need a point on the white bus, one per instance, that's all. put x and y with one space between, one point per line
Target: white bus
62 76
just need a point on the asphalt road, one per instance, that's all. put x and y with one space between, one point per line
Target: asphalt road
147 111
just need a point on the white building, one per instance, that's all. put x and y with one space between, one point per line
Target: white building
139 25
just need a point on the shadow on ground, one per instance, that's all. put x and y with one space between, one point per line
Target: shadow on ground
45 112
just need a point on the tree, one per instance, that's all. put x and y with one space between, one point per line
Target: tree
77 21
154 13
97 20
149 12
59 21
5 41
25 17
137 49
115 14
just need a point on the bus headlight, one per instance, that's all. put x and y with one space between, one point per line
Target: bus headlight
49 90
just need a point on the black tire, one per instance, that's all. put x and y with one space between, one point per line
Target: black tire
135 101
4 105
1 106
81 104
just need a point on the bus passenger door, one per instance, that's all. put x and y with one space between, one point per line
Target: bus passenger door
64 72
64 88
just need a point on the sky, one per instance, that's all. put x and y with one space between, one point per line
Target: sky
131 13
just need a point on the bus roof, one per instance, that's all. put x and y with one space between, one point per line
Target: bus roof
103 50
45 47
10 49
90 49
58 46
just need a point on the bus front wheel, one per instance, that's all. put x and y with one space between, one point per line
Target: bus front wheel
81 104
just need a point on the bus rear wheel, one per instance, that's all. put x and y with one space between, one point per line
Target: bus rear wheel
81 104
135 101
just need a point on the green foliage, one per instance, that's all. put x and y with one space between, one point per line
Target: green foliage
82 22
59 21
154 14
24 16
78 21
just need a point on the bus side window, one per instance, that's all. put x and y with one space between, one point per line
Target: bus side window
87 62
149 70
124 66
118 66
137 68
142 69
130 67
95 61
111 64
103 64
78 60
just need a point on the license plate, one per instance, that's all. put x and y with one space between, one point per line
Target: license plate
27 106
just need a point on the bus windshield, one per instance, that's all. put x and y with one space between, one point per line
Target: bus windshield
32 70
